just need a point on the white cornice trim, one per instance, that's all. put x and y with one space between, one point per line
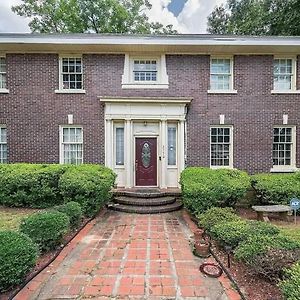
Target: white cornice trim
164 100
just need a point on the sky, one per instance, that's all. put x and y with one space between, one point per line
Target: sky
187 16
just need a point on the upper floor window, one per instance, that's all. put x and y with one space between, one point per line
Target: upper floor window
284 143
221 147
71 145
3 86
284 74
3 145
221 75
145 72
70 74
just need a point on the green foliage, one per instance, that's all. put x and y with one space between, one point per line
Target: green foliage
99 16
215 216
46 229
256 17
18 255
276 188
203 188
89 185
73 211
30 185
290 286
257 245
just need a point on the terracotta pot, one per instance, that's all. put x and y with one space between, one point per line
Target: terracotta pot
198 235
202 248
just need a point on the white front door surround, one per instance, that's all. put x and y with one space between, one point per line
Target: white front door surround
145 117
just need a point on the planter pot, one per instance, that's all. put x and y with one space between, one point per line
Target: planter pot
198 235
202 249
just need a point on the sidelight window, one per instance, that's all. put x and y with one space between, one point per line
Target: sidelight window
172 141
119 146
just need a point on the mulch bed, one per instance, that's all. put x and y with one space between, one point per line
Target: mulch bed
44 259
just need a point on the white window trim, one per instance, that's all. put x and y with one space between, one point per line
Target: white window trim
293 89
292 167
61 153
162 77
172 125
230 147
4 126
6 90
231 87
118 125
61 90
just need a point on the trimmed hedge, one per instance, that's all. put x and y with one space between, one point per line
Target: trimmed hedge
46 229
203 188
276 188
89 185
73 211
18 255
260 245
290 286
44 186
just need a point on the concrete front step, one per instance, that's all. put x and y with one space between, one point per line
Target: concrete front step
144 201
148 193
146 209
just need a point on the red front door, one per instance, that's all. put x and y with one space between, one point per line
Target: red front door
146 162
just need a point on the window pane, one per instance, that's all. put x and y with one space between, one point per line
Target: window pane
145 70
72 145
220 146
72 73
172 146
119 146
3 146
283 72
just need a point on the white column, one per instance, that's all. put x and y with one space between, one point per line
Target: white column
109 143
128 153
164 146
181 150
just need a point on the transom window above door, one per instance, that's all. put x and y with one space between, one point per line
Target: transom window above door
70 75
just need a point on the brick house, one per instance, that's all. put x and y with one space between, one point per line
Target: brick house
147 106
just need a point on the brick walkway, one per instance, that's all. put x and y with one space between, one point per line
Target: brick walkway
128 256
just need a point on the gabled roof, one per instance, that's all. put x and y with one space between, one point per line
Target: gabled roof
121 43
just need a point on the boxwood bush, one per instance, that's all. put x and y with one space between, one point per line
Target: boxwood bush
46 229
73 211
203 188
43 186
30 185
89 185
290 286
18 255
276 188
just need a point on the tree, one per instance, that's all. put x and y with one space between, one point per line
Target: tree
99 16
256 17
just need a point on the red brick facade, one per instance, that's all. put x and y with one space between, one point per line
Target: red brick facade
32 111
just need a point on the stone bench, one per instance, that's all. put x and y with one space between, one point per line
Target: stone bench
263 211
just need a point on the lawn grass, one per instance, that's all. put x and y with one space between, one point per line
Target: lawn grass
10 218
292 231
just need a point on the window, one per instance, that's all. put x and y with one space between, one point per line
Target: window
3 145
283 147
72 145
145 72
71 75
119 146
221 74
221 147
2 73
284 74
172 145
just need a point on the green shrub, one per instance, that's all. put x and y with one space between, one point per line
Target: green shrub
290 286
46 229
30 185
276 188
18 255
216 215
203 188
73 211
89 185
234 232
